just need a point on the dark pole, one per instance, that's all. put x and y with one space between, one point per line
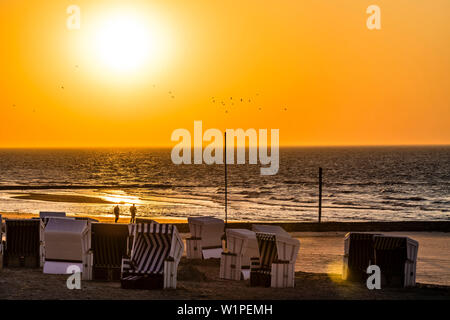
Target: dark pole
226 191
320 194
226 182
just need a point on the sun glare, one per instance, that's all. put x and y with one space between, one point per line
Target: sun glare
127 42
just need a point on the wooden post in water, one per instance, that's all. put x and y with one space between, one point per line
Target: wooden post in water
320 194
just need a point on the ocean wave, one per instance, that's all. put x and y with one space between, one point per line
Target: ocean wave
414 198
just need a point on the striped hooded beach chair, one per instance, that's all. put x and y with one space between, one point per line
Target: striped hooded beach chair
22 246
155 254
358 255
397 259
278 254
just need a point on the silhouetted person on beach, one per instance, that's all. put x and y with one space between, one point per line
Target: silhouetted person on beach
116 213
133 213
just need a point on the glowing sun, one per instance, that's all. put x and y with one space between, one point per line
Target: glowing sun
126 42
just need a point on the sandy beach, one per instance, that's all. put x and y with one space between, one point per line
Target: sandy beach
200 281
318 275
322 252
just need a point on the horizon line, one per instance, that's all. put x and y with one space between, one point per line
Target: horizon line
281 146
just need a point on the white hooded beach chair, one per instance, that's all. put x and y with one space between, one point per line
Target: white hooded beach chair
44 216
206 238
67 243
397 259
242 252
155 255
278 253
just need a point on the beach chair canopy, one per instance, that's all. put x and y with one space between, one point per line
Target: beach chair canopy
49 214
66 243
209 229
393 251
270 229
242 242
152 245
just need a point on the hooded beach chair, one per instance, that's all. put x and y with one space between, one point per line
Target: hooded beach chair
278 253
242 252
1 242
397 259
358 255
67 243
22 246
206 238
155 255
108 247
44 216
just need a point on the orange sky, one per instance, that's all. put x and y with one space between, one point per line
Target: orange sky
309 68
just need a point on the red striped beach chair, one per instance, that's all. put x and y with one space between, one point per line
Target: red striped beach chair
155 254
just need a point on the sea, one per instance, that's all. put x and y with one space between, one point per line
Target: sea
359 184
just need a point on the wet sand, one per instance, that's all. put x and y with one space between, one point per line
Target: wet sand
61 198
33 284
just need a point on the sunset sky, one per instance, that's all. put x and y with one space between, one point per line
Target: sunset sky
310 68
